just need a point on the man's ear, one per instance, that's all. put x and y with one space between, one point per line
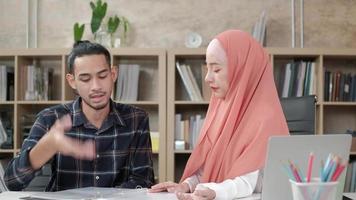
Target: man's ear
70 78
114 73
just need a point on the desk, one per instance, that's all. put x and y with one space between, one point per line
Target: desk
350 195
144 196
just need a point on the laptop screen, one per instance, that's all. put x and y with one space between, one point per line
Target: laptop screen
276 185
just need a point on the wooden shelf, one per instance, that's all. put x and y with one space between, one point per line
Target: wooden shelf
39 102
191 102
183 151
7 151
339 103
7 102
155 103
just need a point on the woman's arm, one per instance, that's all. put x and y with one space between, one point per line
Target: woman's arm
241 186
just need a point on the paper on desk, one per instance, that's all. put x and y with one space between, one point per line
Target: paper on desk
91 193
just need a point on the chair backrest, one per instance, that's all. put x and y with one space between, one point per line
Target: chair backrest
3 187
300 114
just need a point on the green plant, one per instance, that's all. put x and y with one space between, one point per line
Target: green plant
126 25
113 24
98 14
78 31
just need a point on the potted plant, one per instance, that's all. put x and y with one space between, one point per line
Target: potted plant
103 32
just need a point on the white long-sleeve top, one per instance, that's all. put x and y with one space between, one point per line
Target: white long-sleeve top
241 186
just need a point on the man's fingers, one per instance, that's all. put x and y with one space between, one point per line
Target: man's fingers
66 122
77 149
63 124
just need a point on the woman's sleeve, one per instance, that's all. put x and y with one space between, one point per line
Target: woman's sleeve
194 180
241 186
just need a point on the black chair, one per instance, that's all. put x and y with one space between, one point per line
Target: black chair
300 114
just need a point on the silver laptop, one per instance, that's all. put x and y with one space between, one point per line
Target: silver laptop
276 185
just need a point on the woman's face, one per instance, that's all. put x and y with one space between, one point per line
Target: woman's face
217 75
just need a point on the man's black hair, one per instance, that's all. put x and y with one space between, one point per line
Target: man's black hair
83 48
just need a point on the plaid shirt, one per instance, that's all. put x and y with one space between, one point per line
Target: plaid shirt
123 148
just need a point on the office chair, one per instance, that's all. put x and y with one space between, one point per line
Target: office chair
300 114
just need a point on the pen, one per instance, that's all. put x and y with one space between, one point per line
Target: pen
310 166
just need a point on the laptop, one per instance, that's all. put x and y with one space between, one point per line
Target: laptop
276 185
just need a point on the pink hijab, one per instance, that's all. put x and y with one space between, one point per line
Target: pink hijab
234 136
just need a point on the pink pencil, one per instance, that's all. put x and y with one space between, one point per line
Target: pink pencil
338 172
310 166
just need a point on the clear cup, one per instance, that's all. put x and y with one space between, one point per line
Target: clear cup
314 190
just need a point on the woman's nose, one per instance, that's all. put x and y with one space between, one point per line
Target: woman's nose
208 77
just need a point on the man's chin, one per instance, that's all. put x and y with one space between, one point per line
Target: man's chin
98 105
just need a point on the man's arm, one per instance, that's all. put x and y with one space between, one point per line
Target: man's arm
19 172
55 141
40 147
140 163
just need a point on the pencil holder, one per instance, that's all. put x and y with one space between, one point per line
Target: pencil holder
314 190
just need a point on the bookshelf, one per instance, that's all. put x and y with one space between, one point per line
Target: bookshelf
151 93
178 101
331 116
162 93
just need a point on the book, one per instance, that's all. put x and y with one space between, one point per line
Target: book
287 78
3 134
127 82
187 82
3 82
196 90
155 141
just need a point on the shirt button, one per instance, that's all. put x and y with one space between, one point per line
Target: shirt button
97 155
97 177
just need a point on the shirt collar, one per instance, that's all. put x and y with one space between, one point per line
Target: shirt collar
80 119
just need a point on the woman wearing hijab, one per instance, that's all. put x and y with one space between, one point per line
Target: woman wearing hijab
244 111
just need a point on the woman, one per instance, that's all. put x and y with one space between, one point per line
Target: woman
244 111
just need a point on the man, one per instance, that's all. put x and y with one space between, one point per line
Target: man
91 141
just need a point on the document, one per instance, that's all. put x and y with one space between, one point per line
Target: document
99 193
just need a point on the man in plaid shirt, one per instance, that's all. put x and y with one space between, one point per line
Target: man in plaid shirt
91 141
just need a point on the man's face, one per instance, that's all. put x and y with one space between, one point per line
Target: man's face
93 79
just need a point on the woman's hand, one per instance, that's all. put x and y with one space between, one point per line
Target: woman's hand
201 194
170 187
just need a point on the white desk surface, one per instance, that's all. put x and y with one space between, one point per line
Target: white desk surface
148 196
350 195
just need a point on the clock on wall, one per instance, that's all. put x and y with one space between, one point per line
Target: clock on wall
193 40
